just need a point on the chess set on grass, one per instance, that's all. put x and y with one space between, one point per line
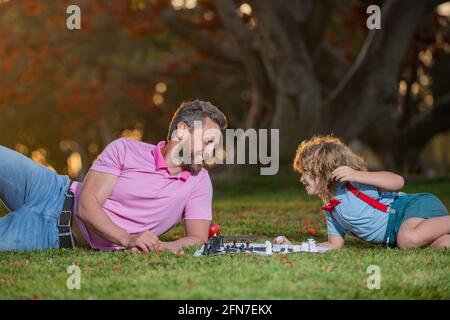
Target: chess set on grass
240 244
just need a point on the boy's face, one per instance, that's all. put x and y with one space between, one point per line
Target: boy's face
310 183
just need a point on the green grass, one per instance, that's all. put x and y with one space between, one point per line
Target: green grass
262 206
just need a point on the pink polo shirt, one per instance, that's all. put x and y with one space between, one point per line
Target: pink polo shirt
146 196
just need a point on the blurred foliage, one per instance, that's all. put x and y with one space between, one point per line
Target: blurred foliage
128 68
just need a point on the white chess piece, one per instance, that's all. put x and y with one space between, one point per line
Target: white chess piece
312 245
304 247
268 247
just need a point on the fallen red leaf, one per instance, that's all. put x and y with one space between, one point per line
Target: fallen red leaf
179 253
285 260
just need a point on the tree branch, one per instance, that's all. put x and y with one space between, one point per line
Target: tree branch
290 68
254 68
190 33
432 122
370 86
316 25
151 69
408 106
330 67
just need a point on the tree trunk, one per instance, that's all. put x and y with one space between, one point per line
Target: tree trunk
280 55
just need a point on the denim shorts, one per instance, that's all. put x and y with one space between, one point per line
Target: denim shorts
417 205
34 196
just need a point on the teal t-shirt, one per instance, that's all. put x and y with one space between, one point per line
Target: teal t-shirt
356 217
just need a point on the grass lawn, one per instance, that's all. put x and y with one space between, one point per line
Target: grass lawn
263 206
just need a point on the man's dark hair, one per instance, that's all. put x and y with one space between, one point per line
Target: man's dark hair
196 110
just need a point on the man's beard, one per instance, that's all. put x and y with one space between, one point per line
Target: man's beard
193 168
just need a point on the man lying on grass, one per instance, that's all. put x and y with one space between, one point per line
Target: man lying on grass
133 193
366 204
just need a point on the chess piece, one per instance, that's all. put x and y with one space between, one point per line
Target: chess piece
312 245
259 249
304 247
205 249
215 244
214 230
268 248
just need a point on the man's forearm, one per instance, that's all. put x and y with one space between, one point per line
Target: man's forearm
180 243
97 221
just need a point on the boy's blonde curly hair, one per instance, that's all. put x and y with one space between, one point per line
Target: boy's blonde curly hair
320 156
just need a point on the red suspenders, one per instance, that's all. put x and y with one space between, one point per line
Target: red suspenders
369 200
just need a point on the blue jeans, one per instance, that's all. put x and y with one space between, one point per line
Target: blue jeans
35 195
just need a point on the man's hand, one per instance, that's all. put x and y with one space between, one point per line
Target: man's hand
196 233
144 241
172 246
344 173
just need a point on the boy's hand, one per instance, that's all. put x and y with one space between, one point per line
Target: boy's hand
344 173
281 240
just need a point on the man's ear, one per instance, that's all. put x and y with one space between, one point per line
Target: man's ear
182 129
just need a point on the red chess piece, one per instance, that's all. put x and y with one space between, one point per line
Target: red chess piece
312 232
214 230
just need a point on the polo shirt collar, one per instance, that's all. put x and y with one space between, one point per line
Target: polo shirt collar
161 164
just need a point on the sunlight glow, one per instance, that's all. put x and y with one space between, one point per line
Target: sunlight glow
74 164
93 148
245 9
428 100
426 57
39 156
161 87
184 4
158 99
402 87
23 149
134 134
415 88
425 80
208 15
66 145
444 9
